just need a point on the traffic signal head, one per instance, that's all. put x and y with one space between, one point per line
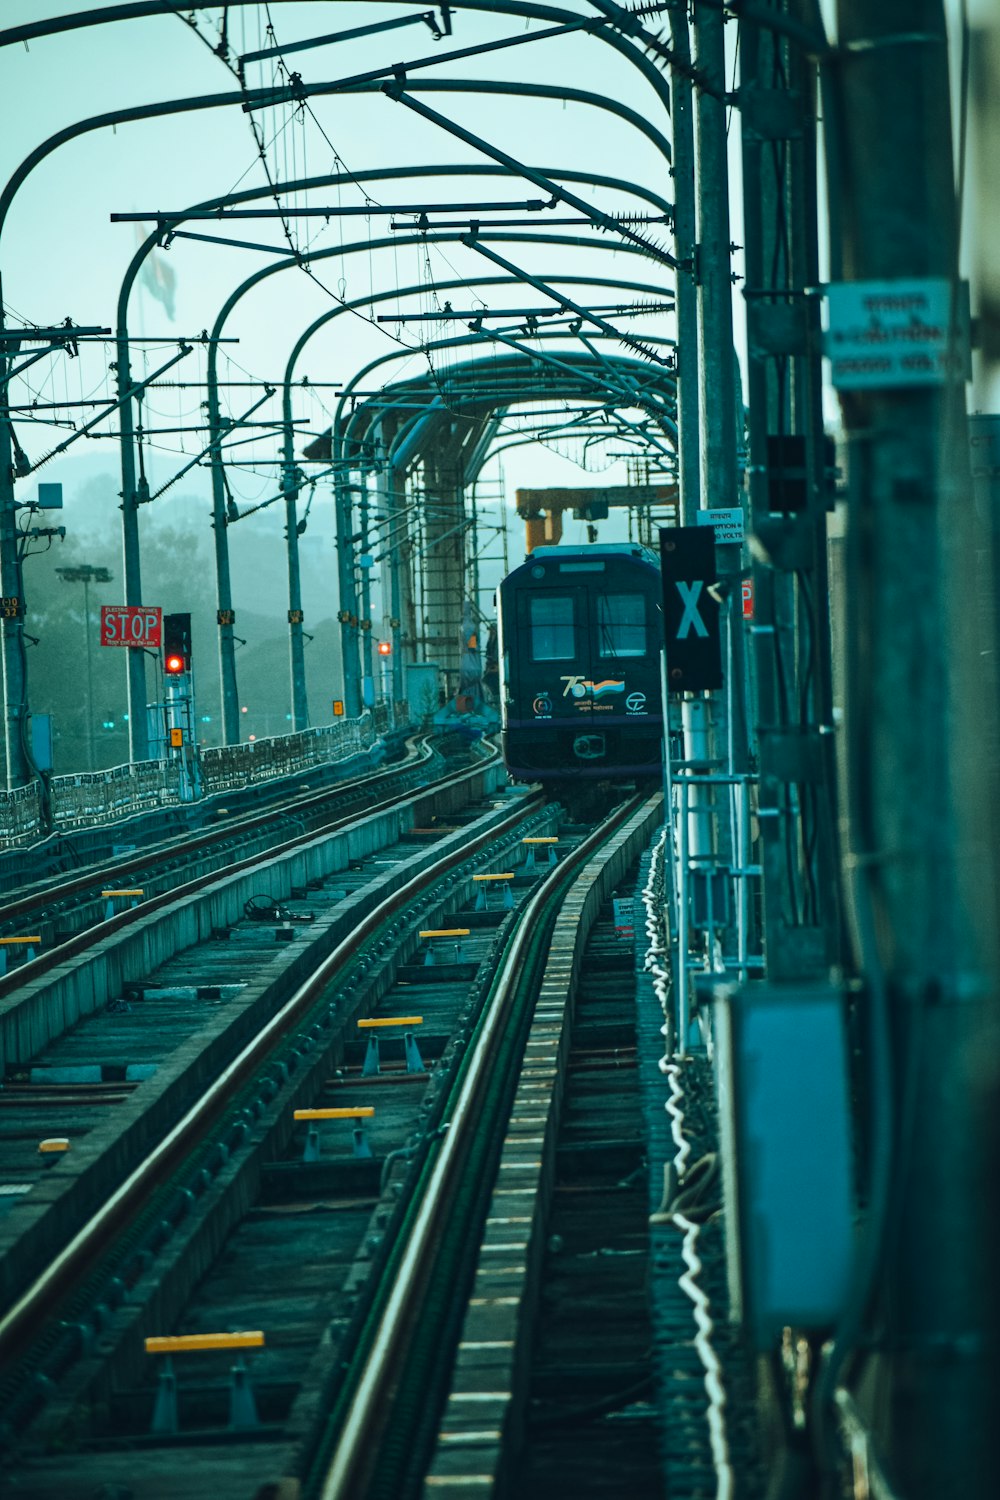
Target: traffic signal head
176 644
385 648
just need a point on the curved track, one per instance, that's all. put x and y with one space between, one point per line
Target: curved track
163 864
115 1257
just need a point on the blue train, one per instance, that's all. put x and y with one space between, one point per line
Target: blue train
580 633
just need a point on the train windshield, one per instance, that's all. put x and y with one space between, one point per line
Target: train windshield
621 625
552 637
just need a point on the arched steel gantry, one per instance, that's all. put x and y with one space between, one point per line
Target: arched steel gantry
391 478
622 35
446 423
290 485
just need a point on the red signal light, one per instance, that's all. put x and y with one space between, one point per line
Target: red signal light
385 648
176 644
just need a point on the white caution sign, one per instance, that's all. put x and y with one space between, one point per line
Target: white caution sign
727 523
886 334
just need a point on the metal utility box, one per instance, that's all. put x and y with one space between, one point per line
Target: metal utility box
786 1150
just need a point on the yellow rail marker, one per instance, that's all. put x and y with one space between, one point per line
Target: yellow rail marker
390 1021
54 1143
547 840
107 894
359 1113
365 1110
10 941
187 1343
446 932
507 875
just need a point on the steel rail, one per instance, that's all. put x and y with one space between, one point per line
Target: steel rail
78 1256
79 943
162 854
367 1409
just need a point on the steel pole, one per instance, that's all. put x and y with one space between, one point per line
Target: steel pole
347 594
365 559
909 518
15 683
396 504
685 234
296 643
90 674
135 666
718 396
390 484
225 614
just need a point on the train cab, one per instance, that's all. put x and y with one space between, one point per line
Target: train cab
580 634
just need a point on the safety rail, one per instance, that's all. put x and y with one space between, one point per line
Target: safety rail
103 796
19 813
230 766
710 899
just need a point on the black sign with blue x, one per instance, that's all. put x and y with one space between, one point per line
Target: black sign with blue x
690 609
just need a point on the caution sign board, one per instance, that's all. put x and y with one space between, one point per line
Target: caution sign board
726 523
690 609
891 334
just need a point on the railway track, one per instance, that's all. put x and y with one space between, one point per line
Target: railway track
57 908
334 1255
590 1417
98 921
72 1009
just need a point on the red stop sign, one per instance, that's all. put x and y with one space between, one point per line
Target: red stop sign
134 625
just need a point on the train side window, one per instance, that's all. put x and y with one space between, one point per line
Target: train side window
621 625
550 619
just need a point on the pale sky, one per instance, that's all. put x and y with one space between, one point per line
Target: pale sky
62 257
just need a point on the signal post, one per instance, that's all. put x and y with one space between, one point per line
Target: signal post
178 704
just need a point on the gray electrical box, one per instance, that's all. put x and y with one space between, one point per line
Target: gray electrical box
786 1151
50 497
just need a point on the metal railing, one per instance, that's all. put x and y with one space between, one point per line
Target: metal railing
709 900
101 796
20 813
104 796
233 766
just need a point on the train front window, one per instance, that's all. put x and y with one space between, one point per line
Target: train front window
621 625
551 627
